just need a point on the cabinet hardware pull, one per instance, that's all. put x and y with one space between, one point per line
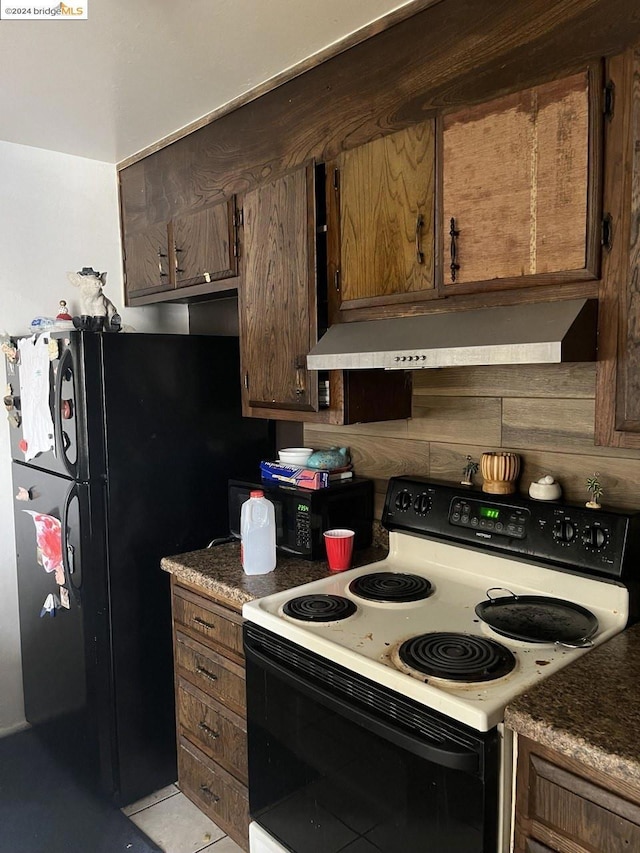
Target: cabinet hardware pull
453 233
419 252
205 728
209 793
246 381
176 250
202 622
161 255
336 280
606 234
202 671
608 99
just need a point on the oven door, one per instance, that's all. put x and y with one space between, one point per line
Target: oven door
337 763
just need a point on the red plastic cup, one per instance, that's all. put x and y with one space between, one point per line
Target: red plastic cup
339 545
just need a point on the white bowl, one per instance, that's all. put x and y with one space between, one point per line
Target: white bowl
294 455
545 491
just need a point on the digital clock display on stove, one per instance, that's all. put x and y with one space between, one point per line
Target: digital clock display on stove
489 512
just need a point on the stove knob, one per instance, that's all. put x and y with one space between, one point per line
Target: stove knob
594 537
564 531
403 500
422 504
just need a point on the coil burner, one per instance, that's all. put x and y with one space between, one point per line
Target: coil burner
391 586
319 608
456 657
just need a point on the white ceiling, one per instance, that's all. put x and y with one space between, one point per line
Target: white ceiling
134 72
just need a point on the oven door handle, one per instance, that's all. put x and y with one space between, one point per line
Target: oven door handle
446 754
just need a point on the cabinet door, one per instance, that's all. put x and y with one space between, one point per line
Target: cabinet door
205 245
278 294
385 207
517 196
146 261
618 386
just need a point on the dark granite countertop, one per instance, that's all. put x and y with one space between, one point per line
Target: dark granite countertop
589 711
218 572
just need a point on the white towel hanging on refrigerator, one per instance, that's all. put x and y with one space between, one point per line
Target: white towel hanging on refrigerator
37 424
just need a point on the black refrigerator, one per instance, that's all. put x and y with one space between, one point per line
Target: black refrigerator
148 430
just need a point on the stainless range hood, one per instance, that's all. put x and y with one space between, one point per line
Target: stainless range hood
537 333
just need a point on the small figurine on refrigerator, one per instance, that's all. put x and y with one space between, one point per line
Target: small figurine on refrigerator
63 314
596 491
468 471
97 311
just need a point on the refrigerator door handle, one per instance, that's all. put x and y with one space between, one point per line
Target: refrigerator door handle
66 361
68 555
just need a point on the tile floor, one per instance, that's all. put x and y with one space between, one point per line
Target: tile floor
177 826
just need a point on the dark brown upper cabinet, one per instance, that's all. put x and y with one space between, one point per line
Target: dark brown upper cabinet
283 310
278 293
193 252
618 383
520 187
205 245
381 221
146 262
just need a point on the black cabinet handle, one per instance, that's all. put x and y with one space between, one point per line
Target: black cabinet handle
202 622
453 233
208 731
205 672
419 252
209 793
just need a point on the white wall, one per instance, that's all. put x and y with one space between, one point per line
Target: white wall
57 213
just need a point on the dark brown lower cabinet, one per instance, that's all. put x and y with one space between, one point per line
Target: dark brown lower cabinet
562 805
217 793
211 709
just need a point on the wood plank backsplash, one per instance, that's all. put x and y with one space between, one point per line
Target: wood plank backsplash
543 412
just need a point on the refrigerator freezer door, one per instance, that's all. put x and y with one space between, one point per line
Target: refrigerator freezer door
66 412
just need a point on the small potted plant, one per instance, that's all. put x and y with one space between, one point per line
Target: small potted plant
468 471
594 487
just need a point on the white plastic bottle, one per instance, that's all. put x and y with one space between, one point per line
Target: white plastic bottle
258 534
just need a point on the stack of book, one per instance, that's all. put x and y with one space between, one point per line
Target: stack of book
304 478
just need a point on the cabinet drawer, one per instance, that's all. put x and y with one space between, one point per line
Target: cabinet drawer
208 620
577 809
220 733
214 791
214 674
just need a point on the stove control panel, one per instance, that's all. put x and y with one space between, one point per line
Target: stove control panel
503 520
603 542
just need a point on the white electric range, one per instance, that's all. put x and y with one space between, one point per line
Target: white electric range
480 597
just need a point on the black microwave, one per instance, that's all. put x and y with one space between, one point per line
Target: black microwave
302 515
